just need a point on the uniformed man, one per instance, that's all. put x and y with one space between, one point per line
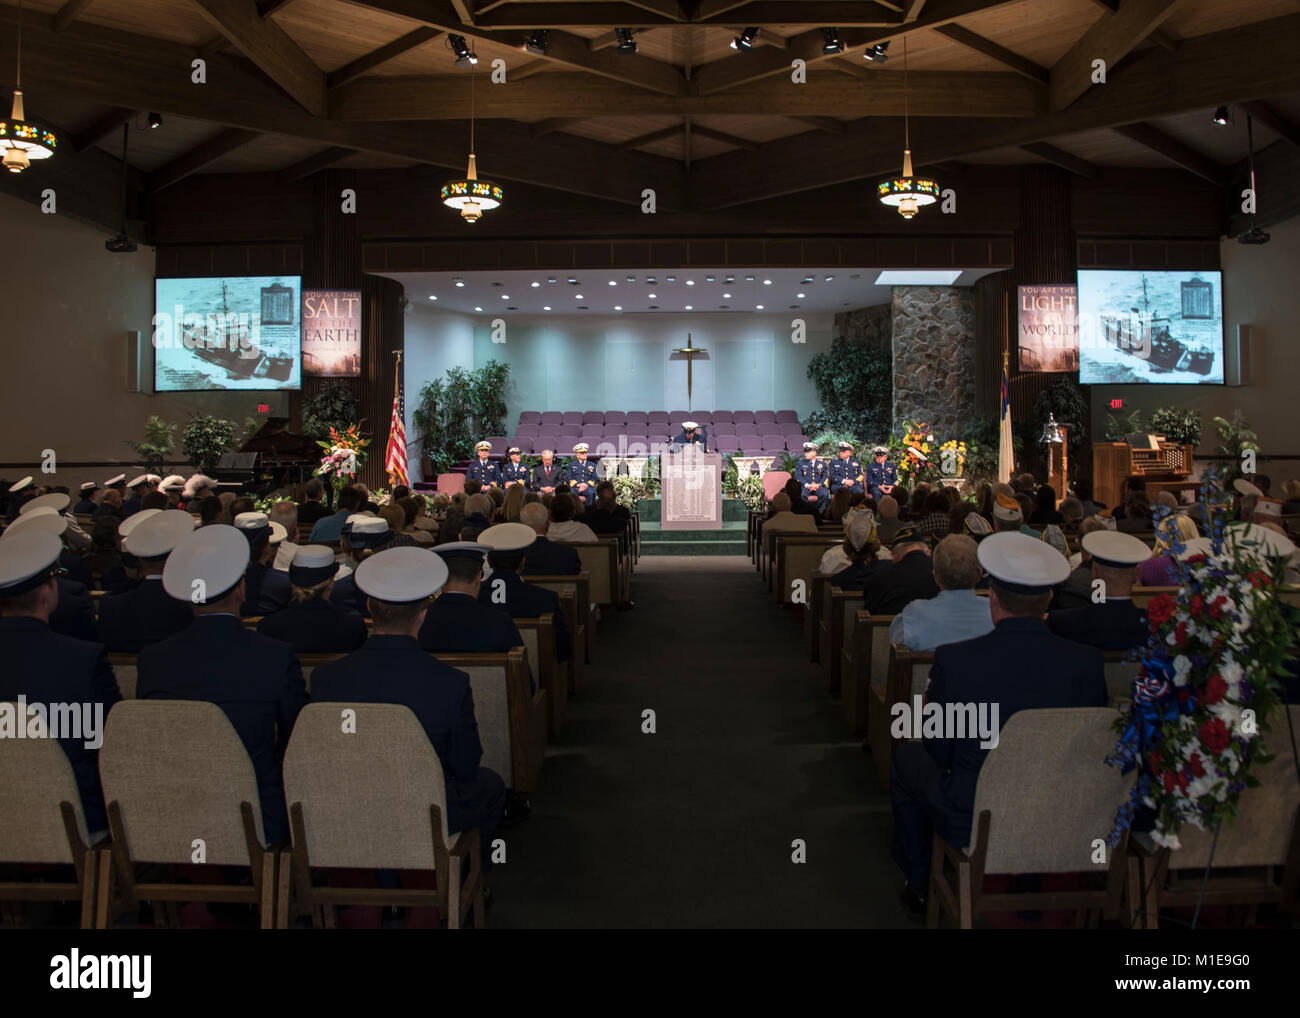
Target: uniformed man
19 493
363 536
845 472
811 475
1111 620
458 622
86 504
1020 665
254 679
267 589
881 476
1008 517
137 616
391 667
581 475
483 469
117 483
44 517
547 475
514 471
197 488
311 622
75 539
48 668
909 576
138 487
509 543
691 434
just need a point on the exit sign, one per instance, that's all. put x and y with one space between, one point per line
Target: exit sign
1117 404
263 408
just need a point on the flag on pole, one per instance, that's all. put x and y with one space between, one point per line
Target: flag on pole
395 455
1006 451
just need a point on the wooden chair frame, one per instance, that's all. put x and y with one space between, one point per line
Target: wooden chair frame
85 863
549 676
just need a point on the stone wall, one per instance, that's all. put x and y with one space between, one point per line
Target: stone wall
871 326
934 358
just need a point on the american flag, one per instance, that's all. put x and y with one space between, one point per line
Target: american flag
395 455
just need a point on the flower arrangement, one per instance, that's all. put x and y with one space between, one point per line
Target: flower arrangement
914 464
344 454
952 453
1207 681
628 490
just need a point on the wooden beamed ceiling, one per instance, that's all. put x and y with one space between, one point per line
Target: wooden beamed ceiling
705 126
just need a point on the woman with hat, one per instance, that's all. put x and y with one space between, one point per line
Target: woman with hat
312 622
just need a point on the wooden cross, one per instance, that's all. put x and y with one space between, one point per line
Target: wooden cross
690 352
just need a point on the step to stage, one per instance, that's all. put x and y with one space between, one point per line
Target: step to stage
733 511
729 540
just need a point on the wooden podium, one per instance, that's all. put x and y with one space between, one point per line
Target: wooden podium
692 490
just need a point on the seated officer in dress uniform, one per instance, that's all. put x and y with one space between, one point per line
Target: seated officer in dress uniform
46 667
267 589
255 680
138 486
74 611
910 576
1020 665
691 434
458 622
882 477
507 589
311 622
86 504
19 493
547 475
546 557
483 469
143 614
580 475
514 471
172 485
390 667
845 472
811 475
1111 621
363 536
75 540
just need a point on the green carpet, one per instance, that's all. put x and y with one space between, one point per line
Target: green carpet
693 826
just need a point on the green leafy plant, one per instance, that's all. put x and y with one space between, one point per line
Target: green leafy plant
855 384
452 410
487 397
828 442
629 490
1119 428
1064 400
1235 439
205 438
159 441
1179 425
749 489
333 406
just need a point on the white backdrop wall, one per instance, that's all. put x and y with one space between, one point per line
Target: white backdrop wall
624 362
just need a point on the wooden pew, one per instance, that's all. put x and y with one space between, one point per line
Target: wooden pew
836 629
610 579
581 623
539 642
870 663
814 614
796 557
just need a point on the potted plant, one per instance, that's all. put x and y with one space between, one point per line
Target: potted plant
204 440
1180 425
159 440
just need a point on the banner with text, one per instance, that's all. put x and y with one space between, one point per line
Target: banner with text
1049 328
331 333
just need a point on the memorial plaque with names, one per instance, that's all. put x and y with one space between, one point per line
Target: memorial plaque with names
691 490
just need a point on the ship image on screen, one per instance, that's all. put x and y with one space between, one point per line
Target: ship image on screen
231 332
1157 327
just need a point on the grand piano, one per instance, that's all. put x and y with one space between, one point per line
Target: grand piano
274 457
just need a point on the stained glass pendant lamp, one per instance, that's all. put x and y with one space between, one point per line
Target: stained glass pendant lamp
469 195
907 192
21 140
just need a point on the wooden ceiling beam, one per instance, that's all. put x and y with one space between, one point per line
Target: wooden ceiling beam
726 139
1001 54
1271 118
828 124
1178 153
204 154
1112 38
376 57
913 11
745 68
651 138
1063 159
314 163
270 47
563 48
525 15
69 13
101 128
565 94
935 14
553 124
266 8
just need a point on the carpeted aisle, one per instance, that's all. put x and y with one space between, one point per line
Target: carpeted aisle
692 826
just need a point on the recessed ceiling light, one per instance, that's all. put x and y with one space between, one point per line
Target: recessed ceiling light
572 281
618 307
649 280
577 296
477 308
432 297
460 282
749 279
801 295
631 279
729 280
689 308
690 282
767 282
917 277
829 278
806 280
726 296
710 279
550 279
671 279
505 296
652 296
758 307
547 308
535 285
613 282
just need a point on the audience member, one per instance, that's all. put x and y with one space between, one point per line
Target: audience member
329 529
933 521
956 612
545 557
1076 590
909 576
887 521
509 543
1110 620
1045 510
310 621
784 520
312 507
458 622
145 613
1161 569
862 548
563 525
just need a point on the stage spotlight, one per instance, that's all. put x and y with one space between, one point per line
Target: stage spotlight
464 56
155 120
537 43
745 40
1222 116
626 44
877 54
831 41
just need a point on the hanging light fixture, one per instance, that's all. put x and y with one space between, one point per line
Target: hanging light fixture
469 195
20 139
907 193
